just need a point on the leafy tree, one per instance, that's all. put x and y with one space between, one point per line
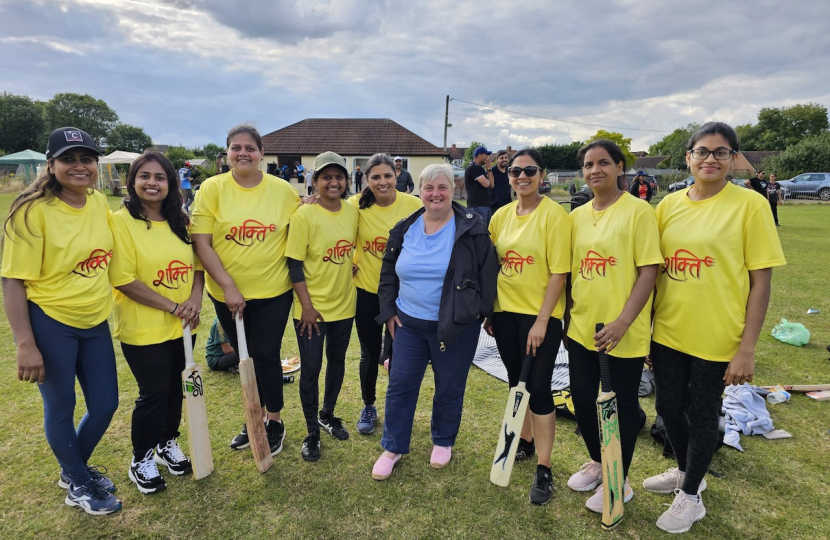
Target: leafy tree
21 123
621 141
810 154
178 155
560 156
674 145
81 111
778 129
211 152
128 138
468 153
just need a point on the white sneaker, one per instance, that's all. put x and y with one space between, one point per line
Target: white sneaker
669 481
682 514
587 477
594 502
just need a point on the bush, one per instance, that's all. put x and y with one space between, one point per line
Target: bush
810 155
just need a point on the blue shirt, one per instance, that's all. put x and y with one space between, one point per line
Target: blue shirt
421 268
184 178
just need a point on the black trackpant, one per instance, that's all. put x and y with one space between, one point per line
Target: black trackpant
228 360
370 335
774 207
510 331
264 321
335 335
689 393
158 410
625 380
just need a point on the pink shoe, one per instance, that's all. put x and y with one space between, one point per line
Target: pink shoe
441 455
384 466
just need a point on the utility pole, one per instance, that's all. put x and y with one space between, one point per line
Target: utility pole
446 123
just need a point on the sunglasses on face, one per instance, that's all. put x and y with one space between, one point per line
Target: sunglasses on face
516 171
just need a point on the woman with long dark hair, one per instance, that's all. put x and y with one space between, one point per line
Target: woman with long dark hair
158 288
719 246
613 268
56 250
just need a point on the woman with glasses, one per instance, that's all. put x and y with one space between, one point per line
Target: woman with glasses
719 245
533 242
615 259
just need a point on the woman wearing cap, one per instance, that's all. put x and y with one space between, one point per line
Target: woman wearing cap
56 250
437 281
380 207
641 188
719 245
240 228
158 287
614 264
321 242
533 242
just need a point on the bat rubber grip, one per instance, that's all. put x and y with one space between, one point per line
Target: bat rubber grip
604 371
188 347
240 338
525 373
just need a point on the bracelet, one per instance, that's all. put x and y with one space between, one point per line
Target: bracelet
174 309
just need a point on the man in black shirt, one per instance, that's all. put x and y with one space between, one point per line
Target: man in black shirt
404 182
478 178
758 183
358 179
500 194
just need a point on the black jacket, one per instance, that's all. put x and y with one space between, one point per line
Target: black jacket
634 189
469 289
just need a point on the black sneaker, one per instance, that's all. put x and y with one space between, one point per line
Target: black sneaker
241 441
96 474
542 488
525 449
145 474
92 499
233 370
334 426
276 434
311 447
171 455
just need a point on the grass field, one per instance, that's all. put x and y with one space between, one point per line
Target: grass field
776 489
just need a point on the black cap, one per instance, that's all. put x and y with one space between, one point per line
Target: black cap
65 138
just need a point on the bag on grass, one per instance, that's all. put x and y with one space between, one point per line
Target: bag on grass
564 404
792 333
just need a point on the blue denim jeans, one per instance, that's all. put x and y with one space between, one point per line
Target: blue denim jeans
416 343
484 212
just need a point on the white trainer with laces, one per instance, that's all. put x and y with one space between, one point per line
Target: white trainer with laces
669 481
172 456
594 502
682 514
587 477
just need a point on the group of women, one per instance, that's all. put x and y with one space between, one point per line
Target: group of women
428 270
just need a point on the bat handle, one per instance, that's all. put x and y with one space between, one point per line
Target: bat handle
604 371
188 346
240 338
525 373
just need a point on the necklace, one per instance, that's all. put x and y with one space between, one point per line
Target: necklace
531 209
435 227
602 212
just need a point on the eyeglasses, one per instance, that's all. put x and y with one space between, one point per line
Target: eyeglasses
721 154
529 171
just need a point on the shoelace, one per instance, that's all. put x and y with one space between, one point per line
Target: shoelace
174 451
96 492
335 421
678 507
95 472
592 469
147 467
366 416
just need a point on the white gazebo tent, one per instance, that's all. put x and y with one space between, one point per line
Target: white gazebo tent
119 156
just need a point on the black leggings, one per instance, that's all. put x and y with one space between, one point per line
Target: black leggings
774 207
158 410
370 335
625 380
264 321
689 393
335 335
510 331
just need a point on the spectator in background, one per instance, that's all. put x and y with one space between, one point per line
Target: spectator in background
404 182
758 183
309 182
219 352
478 179
358 179
500 194
300 177
640 187
774 196
184 181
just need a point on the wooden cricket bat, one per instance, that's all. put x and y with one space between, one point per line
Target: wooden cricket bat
198 437
250 402
613 478
802 387
511 428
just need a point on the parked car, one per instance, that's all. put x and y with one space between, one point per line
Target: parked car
544 185
683 184
807 185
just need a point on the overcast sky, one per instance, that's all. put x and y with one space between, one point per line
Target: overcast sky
187 70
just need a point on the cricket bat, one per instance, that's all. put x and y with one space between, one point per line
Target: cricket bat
802 387
511 428
198 437
613 478
250 402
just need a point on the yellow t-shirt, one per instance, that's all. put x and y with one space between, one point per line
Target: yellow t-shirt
160 260
606 254
709 247
530 249
373 229
249 229
62 258
325 242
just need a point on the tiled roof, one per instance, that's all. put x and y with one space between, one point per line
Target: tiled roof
348 137
649 162
755 158
456 153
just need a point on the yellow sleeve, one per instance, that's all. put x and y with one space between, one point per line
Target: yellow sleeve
558 241
122 267
23 246
646 237
298 229
762 248
495 225
205 209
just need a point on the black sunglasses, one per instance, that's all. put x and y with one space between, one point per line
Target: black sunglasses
529 171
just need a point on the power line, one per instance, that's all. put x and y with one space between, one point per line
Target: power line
556 119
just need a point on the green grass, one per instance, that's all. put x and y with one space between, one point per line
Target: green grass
777 489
